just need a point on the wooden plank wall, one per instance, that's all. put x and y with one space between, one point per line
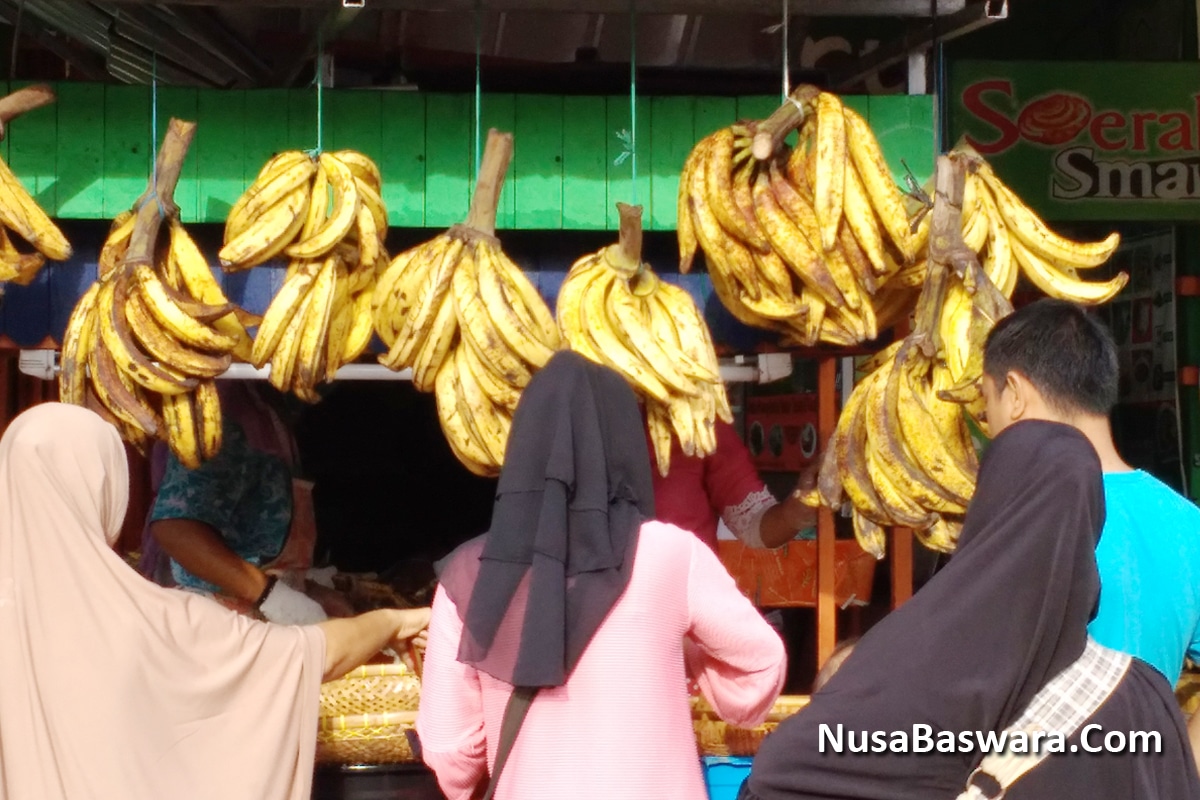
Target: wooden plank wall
88 155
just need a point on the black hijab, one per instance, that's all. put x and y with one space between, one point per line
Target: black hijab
572 496
972 648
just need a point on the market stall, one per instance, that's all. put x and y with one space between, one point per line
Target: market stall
411 160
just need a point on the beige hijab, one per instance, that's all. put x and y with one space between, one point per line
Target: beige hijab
110 686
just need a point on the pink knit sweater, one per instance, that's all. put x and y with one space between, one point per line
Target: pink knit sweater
621 728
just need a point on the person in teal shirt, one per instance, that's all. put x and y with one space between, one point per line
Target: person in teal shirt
1051 360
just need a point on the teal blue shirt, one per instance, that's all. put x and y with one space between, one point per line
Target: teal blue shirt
1149 561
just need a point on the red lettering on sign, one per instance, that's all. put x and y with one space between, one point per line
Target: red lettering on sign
1140 118
1109 120
972 100
1179 135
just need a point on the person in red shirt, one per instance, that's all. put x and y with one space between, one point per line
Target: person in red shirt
700 491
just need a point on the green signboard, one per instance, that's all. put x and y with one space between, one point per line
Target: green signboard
1086 141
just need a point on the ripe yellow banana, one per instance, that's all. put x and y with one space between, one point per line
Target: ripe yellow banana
118 341
268 234
1038 239
176 319
861 219
340 220
660 436
718 193
436 347
1060 283
165 349
363 168
20 213
520 338
418 322
526 299
462 442
180 419
206 404
283 308
78 339
828 179
261 197
477 327
361 328
608 345
877 179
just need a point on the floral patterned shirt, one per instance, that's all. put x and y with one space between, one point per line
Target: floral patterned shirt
244 494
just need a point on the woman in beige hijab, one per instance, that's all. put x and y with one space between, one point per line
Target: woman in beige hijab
113 687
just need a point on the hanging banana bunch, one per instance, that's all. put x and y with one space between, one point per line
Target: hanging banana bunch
20 215
814 243
146 341
326 216
902 454
614 310
467 321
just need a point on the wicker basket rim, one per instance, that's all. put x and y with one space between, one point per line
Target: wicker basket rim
345 721
377 671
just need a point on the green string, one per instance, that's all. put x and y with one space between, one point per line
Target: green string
320 80
478 89
154 129
633 97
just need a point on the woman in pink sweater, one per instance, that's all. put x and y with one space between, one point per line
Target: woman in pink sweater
579 598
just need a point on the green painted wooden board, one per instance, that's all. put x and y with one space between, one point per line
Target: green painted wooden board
36 156
80 149
497 111
448 157
302 119
585 168
218 145
90 156
906 133
621 183
536 176
402 158
128 149
672 136
264 131
181 104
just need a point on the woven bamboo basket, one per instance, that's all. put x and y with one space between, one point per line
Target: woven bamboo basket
366 715
716 738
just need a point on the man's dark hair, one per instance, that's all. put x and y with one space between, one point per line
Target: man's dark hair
1067 354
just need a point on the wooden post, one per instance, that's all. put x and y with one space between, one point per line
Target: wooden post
902 566
826 599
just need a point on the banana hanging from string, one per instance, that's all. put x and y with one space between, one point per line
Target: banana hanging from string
325 216
145 343
20 214
800 241
468 322
614 310
902 453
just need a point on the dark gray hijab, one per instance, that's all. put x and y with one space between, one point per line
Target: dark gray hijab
574 491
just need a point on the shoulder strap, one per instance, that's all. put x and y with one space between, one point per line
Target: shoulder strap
1061 706
514 714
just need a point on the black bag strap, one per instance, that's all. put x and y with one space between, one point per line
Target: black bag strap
514 714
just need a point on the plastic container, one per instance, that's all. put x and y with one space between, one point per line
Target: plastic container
724 775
